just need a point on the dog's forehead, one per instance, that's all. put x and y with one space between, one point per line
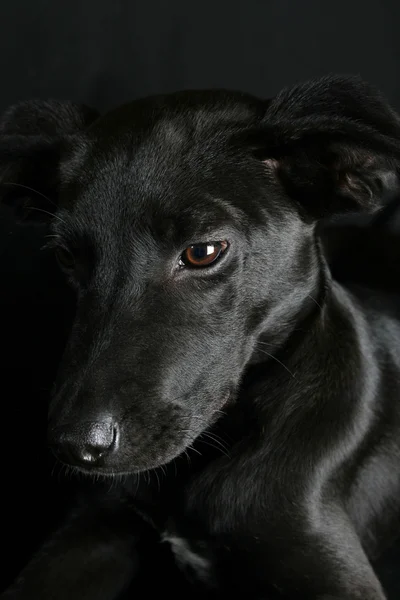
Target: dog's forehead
165 217
160 178
128 199
162 135
167 165
163 157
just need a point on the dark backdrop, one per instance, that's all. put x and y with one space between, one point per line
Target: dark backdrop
104 52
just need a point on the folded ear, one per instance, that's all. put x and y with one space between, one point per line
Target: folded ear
334 143
33 137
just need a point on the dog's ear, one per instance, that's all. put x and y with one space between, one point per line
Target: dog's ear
33 137
334 143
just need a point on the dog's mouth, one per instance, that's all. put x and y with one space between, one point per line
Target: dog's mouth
122 460
138 447
131 468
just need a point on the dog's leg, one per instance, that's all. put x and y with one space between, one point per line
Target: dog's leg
318 557
325 563
92 557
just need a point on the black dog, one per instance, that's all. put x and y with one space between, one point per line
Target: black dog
206 314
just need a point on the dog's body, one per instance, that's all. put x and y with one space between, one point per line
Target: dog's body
207 315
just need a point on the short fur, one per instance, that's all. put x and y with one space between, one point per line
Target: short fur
280 385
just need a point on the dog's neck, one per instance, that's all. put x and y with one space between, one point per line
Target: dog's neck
309 308
323 343
287 407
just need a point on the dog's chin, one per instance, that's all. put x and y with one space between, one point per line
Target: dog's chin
120 469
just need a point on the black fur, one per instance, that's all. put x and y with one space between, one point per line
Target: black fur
278 384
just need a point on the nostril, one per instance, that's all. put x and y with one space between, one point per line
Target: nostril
87 444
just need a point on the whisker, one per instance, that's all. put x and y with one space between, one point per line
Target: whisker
112 482
221 444
267 344
158 479
47 213
314 300
199 417
137 475
188 458
221 412
215 439
195 450
26 187
216 448
278 361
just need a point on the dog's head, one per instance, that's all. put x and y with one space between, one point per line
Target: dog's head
186 224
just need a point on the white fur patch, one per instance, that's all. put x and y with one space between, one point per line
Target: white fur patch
185 557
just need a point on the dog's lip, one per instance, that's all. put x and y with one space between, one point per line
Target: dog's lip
106 473
109 471
114 471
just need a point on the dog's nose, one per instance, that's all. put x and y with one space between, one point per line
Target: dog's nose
87 444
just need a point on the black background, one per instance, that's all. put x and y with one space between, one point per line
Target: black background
103 53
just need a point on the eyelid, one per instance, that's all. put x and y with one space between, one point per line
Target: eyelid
210 237
54 243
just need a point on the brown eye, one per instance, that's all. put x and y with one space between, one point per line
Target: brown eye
202 255
65 259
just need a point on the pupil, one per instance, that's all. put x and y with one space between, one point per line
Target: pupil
201 252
